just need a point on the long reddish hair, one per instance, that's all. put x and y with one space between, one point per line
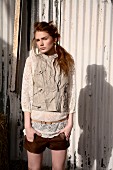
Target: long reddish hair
64 59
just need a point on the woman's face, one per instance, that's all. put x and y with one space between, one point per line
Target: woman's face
45 42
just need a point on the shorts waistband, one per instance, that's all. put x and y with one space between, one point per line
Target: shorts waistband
43 122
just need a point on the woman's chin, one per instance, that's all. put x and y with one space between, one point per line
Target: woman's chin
43 51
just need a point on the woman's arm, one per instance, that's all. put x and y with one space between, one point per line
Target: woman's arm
27 120
70 120
26 100
68 127
26 83
72 103
28 128
29 131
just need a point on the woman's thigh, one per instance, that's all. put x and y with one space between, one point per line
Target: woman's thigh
58 159
34 161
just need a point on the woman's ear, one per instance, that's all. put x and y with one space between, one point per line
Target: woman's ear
57 39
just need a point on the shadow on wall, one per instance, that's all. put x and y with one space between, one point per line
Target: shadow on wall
5 63
9 99
5 66
95 117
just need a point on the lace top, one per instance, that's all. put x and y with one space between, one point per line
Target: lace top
46 93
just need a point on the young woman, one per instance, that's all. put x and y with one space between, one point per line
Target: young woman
48 98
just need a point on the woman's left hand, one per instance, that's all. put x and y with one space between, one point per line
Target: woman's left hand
67 131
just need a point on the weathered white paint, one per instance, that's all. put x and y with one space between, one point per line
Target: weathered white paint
86 29
91 44
15 44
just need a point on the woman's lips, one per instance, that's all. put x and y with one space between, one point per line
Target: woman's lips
42 48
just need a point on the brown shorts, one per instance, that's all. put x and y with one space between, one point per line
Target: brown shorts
39 144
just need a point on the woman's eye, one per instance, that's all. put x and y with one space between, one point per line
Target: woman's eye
45 38
37 40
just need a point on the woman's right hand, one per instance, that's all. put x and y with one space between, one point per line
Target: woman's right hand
30 133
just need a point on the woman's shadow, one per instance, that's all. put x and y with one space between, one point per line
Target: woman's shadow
95 117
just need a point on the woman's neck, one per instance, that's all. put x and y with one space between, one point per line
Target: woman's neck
51 52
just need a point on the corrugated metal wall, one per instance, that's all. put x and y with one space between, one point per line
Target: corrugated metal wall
89 25
86 29
6 38
7 8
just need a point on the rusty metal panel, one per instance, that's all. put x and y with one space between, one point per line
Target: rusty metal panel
6 45
6 36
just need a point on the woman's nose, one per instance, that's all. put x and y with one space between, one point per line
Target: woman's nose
41 43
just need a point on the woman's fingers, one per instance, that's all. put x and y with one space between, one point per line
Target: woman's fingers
30 134
67 136
38 133
66 132
30 138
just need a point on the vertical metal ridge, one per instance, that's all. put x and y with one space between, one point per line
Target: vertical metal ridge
111 47
15 44
50 10
1 33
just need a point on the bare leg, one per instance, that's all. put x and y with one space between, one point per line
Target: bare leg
34 161
58 159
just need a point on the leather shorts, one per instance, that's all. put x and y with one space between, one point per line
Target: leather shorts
39 143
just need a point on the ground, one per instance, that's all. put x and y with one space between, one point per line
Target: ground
17 165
